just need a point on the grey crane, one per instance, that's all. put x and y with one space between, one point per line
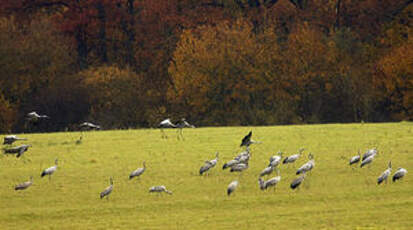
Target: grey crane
49 171
267 171
270 182
231 187
89 126
35 117
296 182
107 190
370 152
384 175
138 171
368 160
239 167
276 159
355 159
10 139
159 189
307 166
19 150
293 158
24 185
243 157
182 124
166 124
230 163
399 174
209 164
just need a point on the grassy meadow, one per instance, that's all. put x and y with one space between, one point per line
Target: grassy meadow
333 196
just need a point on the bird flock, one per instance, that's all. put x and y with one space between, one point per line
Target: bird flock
239 163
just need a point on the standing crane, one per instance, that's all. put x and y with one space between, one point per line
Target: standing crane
159 189
138 172
166 124
24 185
10 139
384 175
209 164
307 166
293 158
49 171
231 187
399 174
183 124
107 190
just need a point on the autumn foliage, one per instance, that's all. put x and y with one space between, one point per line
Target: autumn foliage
129 63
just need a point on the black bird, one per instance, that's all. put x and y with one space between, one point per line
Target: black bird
246 141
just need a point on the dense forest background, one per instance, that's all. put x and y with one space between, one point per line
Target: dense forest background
130 63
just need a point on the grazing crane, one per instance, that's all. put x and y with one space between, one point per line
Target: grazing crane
159 189
243 157
384 175
368 160
35 117
138 171
89 126
209 164
230 163
19 150
293 158
267 171
276 159
107 190
271 182
370 152
232 186
166 124
399 174
182 124
49 171
296 182
239 167
10 139
307 166
24 185
355 159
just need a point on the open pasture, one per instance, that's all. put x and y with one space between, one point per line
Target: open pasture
333 195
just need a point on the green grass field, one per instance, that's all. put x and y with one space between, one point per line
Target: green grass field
333 196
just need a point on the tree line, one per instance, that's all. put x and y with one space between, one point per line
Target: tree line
130 63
